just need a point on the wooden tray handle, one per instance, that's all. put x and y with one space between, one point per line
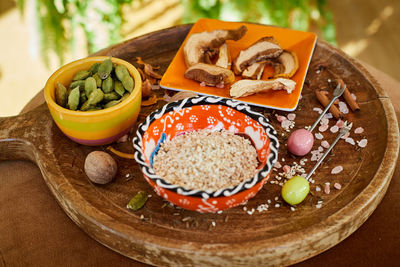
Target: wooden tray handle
19 135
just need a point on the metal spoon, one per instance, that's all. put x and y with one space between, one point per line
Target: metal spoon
346 128
300 142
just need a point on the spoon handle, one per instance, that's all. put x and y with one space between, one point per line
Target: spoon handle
322 114
324 155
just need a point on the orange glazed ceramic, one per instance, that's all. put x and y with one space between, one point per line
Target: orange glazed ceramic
302 43
206 112
98 127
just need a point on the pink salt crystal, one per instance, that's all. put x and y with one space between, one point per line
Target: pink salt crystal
277 165
220 85
359 130
334 129
327 189
286 169
362 142
320 149
323 128
203 84
123 139
328 115
317 110
337 186
346 135
324 121
350 141
337 170
291 116
314 157
325 144
280 118
285 124
343 107
319 136
340 124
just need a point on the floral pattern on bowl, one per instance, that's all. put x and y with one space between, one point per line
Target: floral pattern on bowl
213 113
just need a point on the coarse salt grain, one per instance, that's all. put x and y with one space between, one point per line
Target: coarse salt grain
340 123
319 136
320 149
286 124
286 168
350 141
345 135
359 130
318 189
324 121
292 208
280 118
334 129
291 116
343 107
277 165
327 189
325 144
337 169
328 115
318 206
277 205
337 186
362 142
323 128
318 110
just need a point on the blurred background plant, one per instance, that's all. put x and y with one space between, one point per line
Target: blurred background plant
56 24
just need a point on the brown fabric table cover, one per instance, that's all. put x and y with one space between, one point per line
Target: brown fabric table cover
34 230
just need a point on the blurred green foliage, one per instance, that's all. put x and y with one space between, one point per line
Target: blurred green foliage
295 14
58 24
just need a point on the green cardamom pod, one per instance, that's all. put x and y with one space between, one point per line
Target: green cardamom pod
121 71
98 80
108 85
61 95
81 75
112 103
105 69
73 99
85 106
128 83
137 201
95 97
119 88
94 68
125 96
90 86
111 96
80 83
94 108
83 97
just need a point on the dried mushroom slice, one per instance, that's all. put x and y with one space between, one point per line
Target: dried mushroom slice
210 74
265 48
248 87
199 43
224 57
255 70
287 64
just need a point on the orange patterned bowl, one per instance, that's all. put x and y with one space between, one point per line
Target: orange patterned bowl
214 113
98 127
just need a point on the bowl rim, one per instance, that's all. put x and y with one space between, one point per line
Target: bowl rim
206 100
52 79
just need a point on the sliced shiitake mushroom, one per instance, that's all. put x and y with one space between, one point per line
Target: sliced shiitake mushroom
247 87
286 64
255 70
199 43
265 48
224 57
210 74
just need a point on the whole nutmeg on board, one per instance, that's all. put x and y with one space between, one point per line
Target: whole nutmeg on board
100 167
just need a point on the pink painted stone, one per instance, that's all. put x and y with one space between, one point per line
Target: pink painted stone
300 142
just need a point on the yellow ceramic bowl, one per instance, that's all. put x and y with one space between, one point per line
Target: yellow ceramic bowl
98 127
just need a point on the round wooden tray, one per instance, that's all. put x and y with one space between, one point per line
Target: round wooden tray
162 235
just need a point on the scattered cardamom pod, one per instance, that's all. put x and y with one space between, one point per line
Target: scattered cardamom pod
105 69
83 97
121 71
137 201
112 103
125 96
73 99
128 83
61 95
94 68
107 85
90 85
81 75
85 106
80 83
98 80
95 97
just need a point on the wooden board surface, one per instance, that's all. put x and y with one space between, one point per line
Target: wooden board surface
278 236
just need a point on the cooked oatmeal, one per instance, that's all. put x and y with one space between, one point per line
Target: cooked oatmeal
206 160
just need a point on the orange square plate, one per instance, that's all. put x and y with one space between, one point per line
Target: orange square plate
302 43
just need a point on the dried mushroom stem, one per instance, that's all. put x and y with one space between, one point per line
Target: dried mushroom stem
224 57
324 100
248 87
287 64
254 71
210 74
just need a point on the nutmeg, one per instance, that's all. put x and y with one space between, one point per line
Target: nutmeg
100 167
